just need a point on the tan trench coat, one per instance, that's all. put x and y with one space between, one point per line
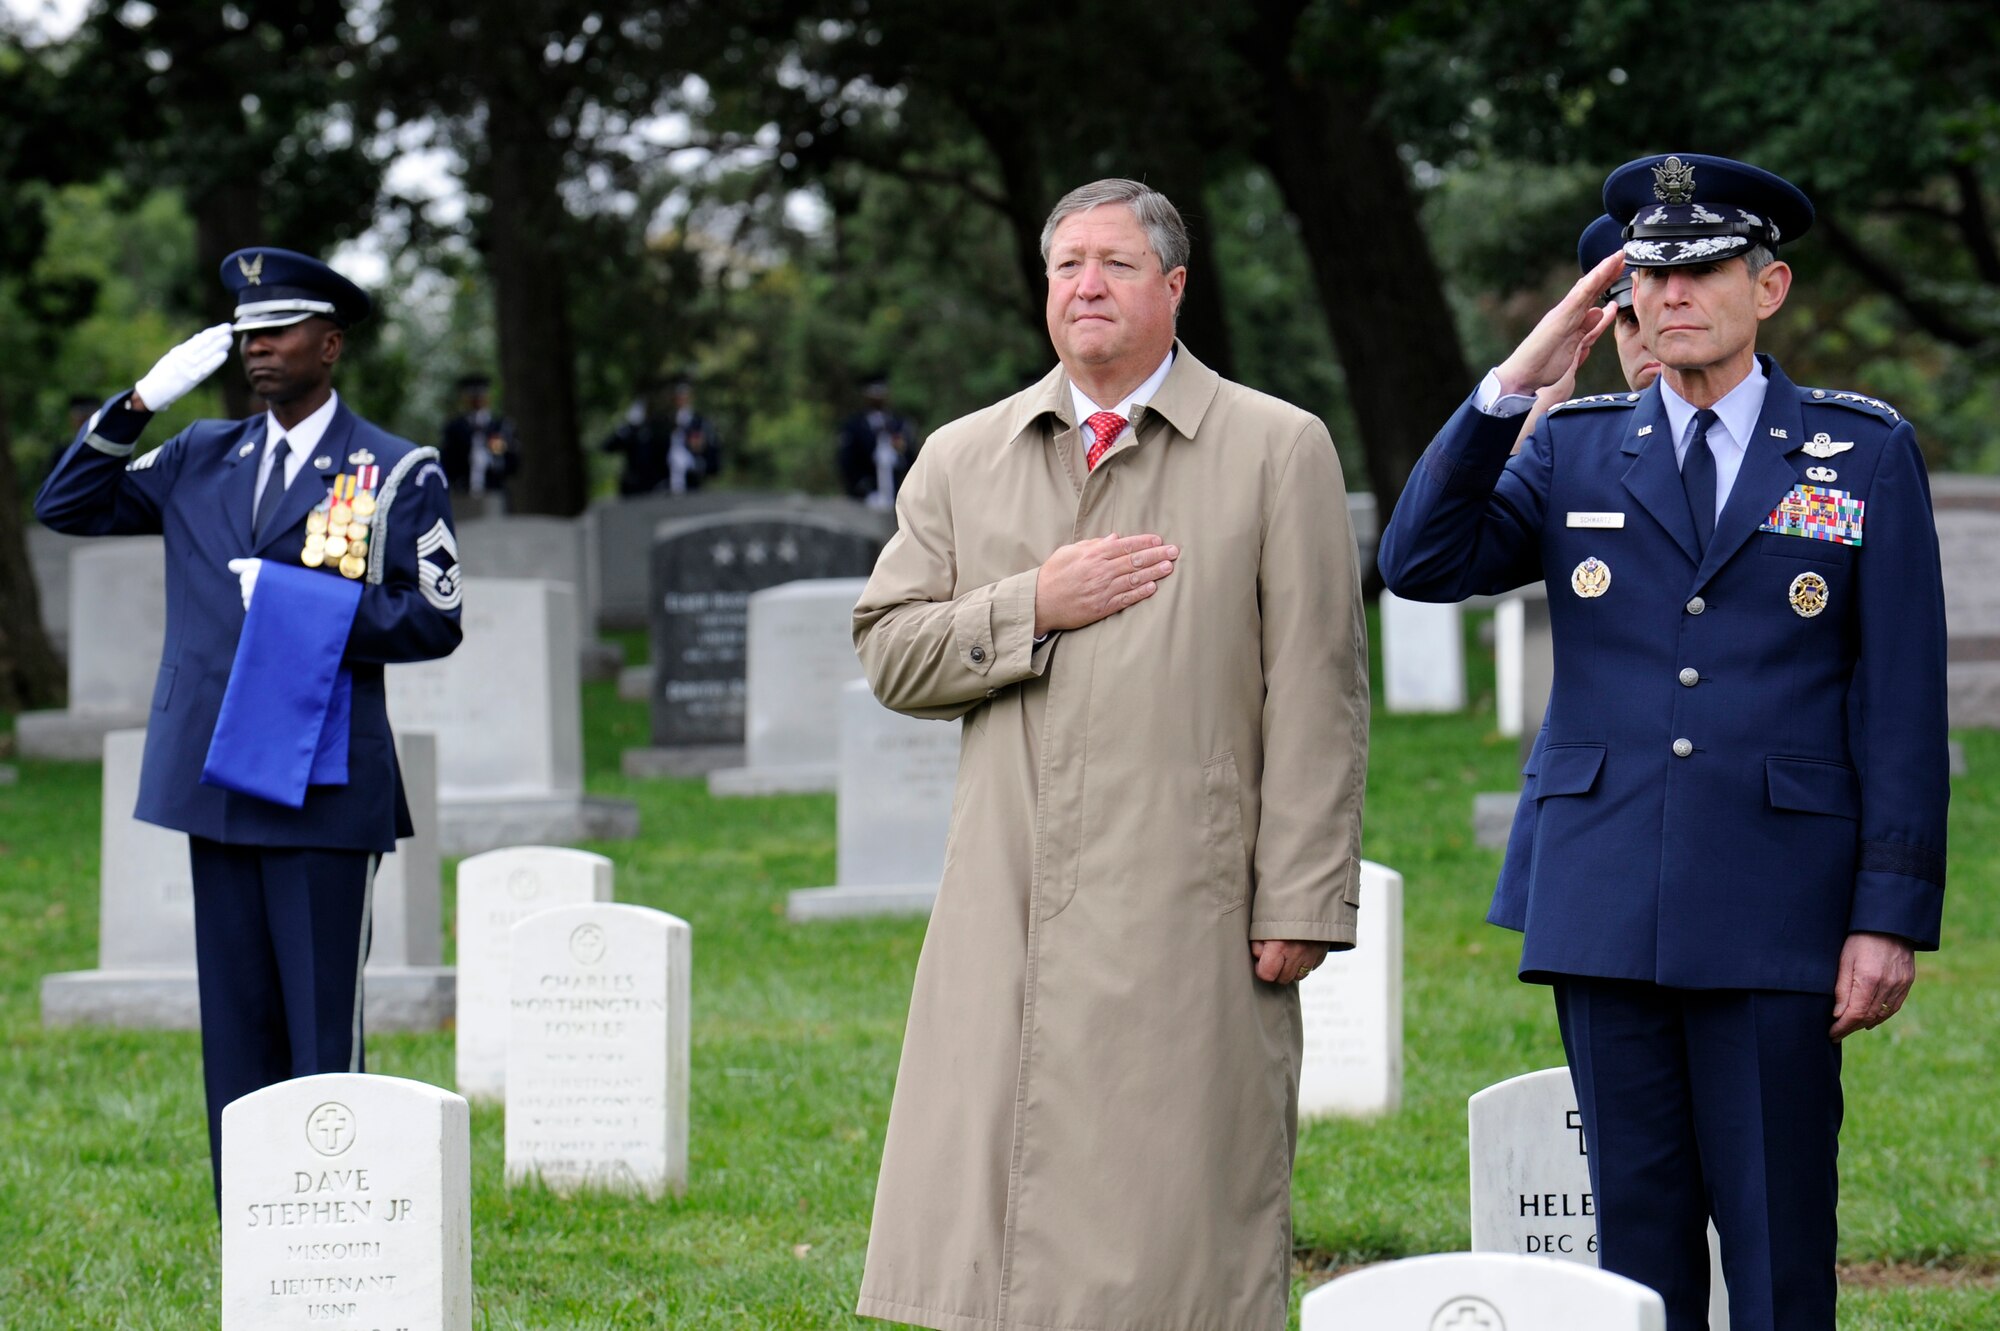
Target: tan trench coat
1094 1121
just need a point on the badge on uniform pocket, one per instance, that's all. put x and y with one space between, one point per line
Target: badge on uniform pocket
1808 594
1818 514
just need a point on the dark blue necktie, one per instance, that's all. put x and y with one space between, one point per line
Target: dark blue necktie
274 490
1698 476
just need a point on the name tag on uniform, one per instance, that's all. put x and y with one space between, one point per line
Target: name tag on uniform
1597 520
1818 514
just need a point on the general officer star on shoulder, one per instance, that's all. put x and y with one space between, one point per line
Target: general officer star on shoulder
1738 837
305 549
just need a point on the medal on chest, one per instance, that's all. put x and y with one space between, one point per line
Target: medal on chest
339 526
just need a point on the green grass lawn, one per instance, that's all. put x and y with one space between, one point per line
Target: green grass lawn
105 1219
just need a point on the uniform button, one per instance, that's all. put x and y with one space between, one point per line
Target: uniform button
978 654
1690 676
992 693
1696 606
1683 747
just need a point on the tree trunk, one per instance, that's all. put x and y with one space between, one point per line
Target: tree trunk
31 675
523 230
1379 287
226 220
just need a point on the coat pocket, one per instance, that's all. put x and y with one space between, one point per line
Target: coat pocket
163 687
1813 785
1222 806
1568 769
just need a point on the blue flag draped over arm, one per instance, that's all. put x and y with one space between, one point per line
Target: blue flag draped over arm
284 719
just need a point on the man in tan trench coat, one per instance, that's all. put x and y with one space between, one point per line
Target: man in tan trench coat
1137 584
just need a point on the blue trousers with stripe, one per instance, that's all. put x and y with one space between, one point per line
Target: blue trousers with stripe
280 937
1711 1102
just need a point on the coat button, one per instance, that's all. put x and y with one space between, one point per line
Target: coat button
1690 676
1683 747
978 654
1696 606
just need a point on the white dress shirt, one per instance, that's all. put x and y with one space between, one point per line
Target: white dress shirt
1735 417
1138 397
303 438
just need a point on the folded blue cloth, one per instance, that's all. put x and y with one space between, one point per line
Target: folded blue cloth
284 719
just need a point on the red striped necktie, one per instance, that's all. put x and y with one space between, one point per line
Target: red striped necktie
1106 426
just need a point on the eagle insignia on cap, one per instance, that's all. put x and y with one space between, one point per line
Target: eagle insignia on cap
1673 181
253 273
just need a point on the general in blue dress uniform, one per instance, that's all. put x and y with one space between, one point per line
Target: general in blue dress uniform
1738 829
305 550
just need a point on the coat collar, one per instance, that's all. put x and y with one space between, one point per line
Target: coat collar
1183 400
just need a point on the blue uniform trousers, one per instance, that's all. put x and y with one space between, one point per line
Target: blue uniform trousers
1700 1102
280 936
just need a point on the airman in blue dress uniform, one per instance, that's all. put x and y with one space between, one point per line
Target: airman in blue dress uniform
342 534
1739 827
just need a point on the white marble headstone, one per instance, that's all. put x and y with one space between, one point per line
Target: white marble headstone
507 709
898 775
117 624
496 891
597 1052
146 954
505 706
1352 1010
1423 656
1531 1177
801 654
347 1201
1469 1291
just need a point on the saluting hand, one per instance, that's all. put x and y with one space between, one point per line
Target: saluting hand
182 368
1559 342
1082 583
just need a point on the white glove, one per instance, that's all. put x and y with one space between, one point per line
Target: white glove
246 573
184 367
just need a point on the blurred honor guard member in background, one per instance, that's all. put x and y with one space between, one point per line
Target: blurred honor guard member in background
876 448
1136 583
305 549
476 446
1740 827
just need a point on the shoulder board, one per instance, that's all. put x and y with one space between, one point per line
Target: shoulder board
1599 400
1861 402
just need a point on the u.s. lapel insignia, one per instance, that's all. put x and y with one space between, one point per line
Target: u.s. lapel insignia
1645 430
246 450
322 462
1822 474
1777 433
1822 445
1808 594
1592 578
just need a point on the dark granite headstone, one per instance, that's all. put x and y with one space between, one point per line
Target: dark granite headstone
704 570
619 535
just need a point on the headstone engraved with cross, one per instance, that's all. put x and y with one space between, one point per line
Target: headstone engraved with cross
597 1050
347 1201
1475 1291
496 891
1531 1177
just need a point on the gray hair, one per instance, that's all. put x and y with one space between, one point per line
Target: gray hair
1758 258
1165 231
